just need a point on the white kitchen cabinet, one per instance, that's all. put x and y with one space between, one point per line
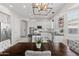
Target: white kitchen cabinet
23 28
58 39
4 45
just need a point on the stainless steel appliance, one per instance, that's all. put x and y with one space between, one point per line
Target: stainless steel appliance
5 31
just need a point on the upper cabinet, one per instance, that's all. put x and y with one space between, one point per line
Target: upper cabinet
4 18
73 21
73 18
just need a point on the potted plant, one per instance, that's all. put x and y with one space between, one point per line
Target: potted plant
38 43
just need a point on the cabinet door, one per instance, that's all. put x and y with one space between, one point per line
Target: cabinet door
23 28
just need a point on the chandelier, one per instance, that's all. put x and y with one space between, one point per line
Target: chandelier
40 6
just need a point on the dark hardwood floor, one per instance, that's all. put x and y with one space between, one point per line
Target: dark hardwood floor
20 48
63 50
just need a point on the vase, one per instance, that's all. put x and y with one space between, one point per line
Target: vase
38 45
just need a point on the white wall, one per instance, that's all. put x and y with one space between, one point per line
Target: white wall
63 12
15 23
45 24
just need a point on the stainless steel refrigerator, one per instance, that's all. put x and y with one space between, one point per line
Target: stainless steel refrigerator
5 32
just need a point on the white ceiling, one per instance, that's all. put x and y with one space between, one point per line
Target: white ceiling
25 10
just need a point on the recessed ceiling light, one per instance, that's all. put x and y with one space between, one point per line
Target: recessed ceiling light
10 5
24 6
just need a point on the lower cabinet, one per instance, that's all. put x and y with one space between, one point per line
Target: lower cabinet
4 45
74 45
